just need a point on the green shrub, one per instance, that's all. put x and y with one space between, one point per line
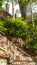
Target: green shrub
16 27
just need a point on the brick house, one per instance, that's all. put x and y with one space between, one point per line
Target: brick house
5 13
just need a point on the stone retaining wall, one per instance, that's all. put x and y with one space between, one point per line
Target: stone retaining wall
16 57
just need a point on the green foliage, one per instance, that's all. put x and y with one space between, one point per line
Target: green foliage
14 27
24 1
31 40
1 1
18 28
2 28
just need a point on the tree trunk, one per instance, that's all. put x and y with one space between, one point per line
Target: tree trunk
23 8
31 12
13 8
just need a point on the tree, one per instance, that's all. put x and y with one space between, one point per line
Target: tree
23 7
13 8
1 1
31 12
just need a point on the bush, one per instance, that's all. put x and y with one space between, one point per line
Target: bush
14 27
